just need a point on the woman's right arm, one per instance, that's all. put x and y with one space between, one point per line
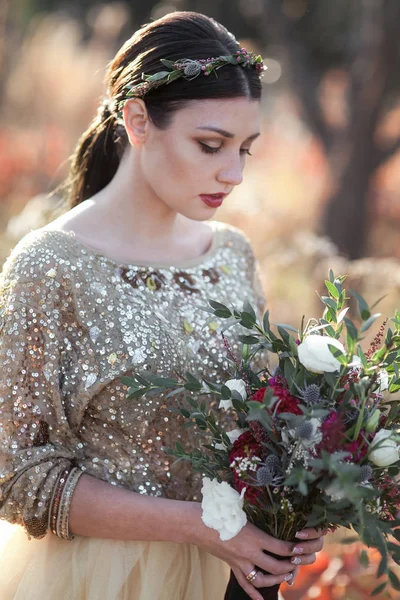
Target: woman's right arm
101 510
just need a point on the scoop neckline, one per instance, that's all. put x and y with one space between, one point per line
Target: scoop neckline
191 262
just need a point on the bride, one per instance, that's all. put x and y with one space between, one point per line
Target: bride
96 509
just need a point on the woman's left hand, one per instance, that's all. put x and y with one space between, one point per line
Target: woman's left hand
307 559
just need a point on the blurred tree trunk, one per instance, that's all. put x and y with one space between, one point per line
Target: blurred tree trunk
369 54
346 215
4 11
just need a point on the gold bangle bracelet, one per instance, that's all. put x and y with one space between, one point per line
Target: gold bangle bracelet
55 500
65 504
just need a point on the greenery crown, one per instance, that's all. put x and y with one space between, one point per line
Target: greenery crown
189 69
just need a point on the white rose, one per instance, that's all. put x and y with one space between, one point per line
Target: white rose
234 384
234 435
384 450
315 355
222 508
383 380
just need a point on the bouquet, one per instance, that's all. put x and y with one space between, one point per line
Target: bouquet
316 441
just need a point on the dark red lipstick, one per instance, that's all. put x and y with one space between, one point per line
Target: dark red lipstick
213 200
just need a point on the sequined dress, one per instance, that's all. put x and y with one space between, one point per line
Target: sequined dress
72 322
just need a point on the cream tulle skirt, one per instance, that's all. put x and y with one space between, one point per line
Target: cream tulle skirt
95 569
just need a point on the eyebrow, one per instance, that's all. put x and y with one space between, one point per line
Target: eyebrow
227 134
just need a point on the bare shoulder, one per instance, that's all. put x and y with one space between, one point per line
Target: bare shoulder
76 219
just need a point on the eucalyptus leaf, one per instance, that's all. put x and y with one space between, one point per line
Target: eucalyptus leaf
157 76
284 335
167 63
174 75
364 559
288 327
351 329
379 589
248 320
220 310
136 394
378 301
367 324
129 381
247 307
266 324
328 328
332 289
249 339
363 307
329 302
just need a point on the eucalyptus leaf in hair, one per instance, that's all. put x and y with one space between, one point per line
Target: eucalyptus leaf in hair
190 69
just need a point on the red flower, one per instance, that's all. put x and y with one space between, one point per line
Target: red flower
246 446
258 396
358 448
333 431
333 435
285 403
259 432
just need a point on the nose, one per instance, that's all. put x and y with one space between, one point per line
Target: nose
231 171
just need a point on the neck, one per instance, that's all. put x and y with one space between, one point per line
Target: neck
129 206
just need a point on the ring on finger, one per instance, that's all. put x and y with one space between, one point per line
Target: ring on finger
252 575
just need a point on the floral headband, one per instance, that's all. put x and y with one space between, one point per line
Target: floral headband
188 69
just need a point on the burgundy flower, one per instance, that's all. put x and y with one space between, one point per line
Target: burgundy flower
333 431
258 396
285 403
358 448
259 432
246 446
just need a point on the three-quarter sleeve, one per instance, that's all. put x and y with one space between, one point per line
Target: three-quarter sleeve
37 445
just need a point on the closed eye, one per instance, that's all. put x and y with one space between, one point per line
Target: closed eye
211 150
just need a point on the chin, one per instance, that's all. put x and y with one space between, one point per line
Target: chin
205 216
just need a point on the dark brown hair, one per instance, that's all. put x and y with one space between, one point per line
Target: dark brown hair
176 36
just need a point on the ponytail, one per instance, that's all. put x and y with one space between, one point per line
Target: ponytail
96 157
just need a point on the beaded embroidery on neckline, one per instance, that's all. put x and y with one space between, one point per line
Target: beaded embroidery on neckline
188 263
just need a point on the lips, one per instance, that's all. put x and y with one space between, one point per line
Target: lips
213 200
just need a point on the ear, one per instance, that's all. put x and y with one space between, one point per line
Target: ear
136 120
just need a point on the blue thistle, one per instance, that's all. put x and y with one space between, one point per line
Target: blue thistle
365 473
305 430
273 463
264 476
312 394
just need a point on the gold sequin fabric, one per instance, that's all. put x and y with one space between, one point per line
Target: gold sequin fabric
72 322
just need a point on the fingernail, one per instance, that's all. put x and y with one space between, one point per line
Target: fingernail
297 550
296 560
288 577
302 535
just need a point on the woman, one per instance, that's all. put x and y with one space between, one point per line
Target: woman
114 285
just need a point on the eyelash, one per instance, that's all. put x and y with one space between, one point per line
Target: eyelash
209 150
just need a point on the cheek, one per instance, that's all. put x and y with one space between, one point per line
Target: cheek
176 167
